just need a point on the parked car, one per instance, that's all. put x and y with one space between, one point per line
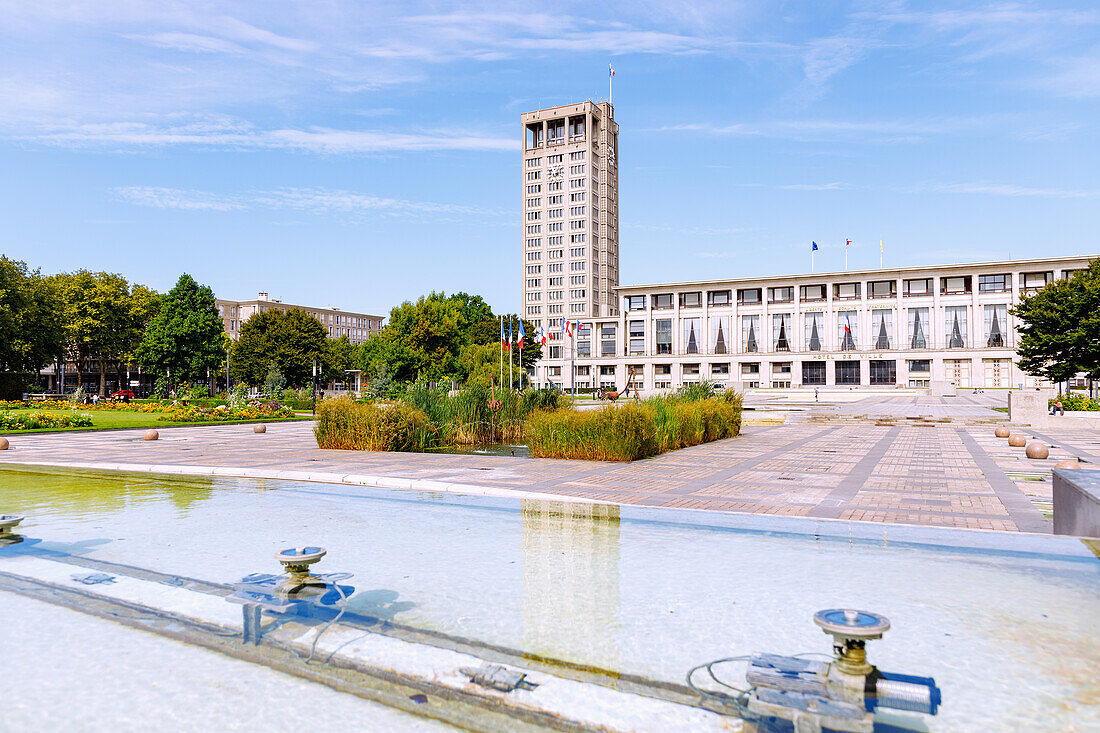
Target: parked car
123 394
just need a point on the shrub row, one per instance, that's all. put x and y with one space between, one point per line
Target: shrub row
1076 402
344 424
631 431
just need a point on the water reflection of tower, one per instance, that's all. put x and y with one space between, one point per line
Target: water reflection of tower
571 581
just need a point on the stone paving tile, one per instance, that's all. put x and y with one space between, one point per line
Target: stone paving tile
954 477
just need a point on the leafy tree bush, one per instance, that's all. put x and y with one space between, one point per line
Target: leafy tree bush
1060 327
274 381
185 336
290 340
32 332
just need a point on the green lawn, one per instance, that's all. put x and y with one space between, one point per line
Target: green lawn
112 419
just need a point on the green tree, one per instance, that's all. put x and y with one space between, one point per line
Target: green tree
432 332
32 333
291 340
1060 327
185 336
339 359
481 363
98 319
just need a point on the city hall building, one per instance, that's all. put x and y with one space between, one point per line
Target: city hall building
921 327
938 327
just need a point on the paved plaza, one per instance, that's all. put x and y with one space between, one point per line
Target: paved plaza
839 463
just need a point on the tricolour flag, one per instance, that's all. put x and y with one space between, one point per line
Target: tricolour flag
568 329
509 345
610 71
813 246
503 340
521 334
847 242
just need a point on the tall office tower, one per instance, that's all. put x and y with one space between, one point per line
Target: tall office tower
570 213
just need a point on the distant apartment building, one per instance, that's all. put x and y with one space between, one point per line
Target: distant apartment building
916 327
358 327
570 228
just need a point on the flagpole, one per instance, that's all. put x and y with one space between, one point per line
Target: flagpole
880 254
610 78
510 382
846 256
502 350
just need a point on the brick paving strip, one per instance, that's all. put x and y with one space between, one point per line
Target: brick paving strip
832 505
917 475
1020 508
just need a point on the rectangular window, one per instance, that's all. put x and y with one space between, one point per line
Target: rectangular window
718 298
811 293
664 335
996 326
919 335
635 302
1031 281
914 288
847 323
750 334
920 365
781 332
720 369
693 335
813 372
575 197
636 331
662 301
607 340
691 370
884 372
846 291
847 372
882 288
815 331
882 328
535 188
994 283
748 296
720 335
691 300
780 295
955 326
954 285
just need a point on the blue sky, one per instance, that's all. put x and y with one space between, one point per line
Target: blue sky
360 154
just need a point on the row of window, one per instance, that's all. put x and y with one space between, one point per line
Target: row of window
913 287
718 338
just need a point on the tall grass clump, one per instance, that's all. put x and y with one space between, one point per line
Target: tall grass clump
343 423
612 433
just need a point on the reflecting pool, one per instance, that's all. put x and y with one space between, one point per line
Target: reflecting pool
1007 624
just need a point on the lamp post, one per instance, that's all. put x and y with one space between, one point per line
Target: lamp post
315 387
227 370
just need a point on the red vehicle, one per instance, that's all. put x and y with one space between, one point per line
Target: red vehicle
123 394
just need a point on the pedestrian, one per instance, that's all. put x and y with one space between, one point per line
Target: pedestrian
815 394
95 399
1056 408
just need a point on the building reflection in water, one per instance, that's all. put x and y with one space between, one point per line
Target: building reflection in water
571 581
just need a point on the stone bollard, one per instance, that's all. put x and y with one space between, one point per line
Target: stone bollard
1071 463
150 435
1036 450
1002 432
259 428
4 443
1017 441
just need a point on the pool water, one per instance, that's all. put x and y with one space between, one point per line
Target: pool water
1007 624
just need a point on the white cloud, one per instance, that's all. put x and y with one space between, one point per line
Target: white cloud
320 201
1006 189
862 131
222 132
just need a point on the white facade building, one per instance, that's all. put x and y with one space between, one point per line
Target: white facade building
934 327
358 327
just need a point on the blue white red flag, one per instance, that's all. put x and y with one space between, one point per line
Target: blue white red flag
521 333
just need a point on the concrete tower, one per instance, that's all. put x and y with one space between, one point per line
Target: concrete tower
570 213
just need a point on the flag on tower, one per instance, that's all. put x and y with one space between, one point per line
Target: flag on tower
610 71
521 333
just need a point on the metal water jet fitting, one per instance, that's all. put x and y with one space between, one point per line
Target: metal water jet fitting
841 695
7 523
296 562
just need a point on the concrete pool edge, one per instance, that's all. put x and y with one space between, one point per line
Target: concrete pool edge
954 538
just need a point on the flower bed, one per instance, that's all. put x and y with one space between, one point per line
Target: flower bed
37 420
266 411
